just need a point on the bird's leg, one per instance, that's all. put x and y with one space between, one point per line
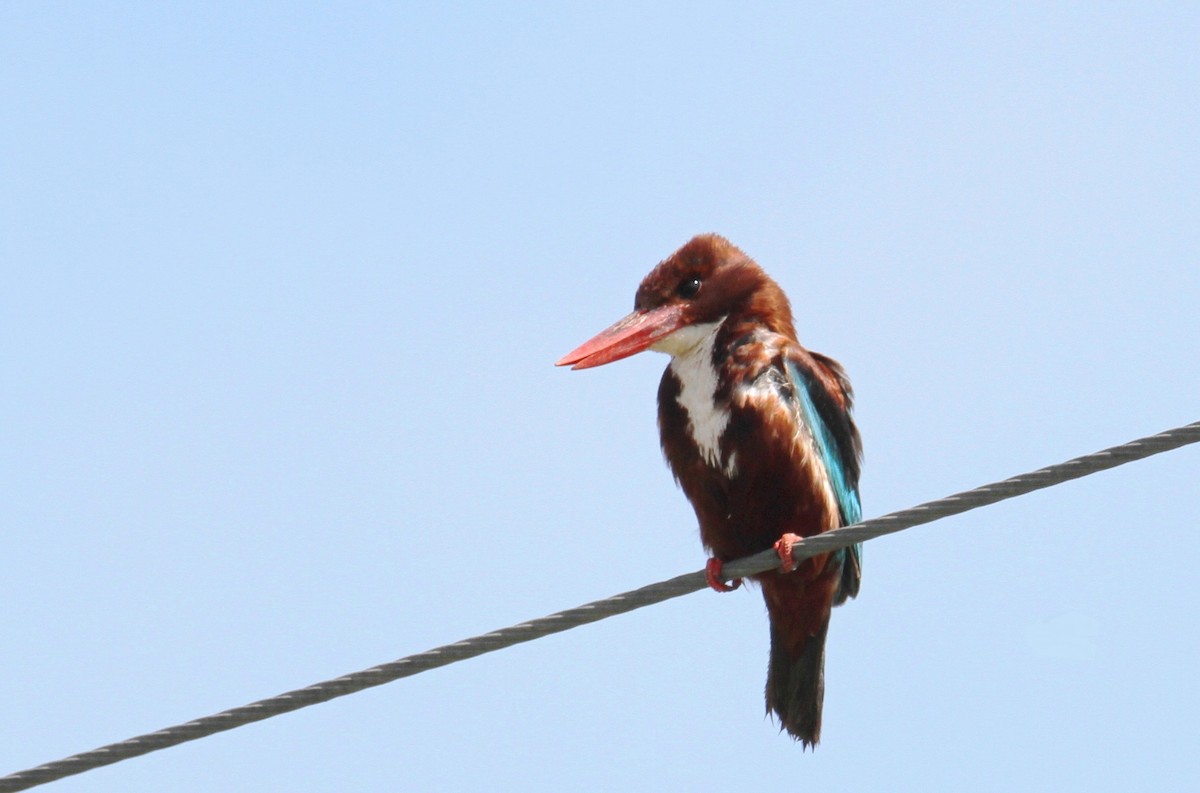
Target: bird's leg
712 573
783 547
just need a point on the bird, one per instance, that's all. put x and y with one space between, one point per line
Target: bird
759 434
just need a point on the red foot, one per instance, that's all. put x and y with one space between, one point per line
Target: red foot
783 547
712 572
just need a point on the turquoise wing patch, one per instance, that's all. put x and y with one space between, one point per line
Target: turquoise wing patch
833 458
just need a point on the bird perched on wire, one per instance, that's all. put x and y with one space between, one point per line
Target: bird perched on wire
758 432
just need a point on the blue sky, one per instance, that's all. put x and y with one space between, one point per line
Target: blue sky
283 287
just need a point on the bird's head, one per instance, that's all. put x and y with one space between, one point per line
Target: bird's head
706 282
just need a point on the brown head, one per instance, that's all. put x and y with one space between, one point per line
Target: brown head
706 280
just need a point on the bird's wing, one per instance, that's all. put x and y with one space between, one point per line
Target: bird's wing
836 440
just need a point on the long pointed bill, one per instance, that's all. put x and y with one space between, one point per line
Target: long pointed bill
634 333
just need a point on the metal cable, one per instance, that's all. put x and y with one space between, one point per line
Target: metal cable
981 496
598 610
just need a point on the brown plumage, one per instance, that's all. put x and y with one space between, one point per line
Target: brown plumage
758 433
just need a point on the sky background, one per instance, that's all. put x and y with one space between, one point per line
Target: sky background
283 284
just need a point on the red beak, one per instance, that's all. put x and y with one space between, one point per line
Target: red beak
631 335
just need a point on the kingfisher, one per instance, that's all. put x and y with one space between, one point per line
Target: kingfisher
758 432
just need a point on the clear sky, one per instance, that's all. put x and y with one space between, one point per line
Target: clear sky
283 284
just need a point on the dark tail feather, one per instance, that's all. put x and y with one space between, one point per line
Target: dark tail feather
796 686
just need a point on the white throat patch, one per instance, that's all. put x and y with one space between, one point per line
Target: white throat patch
691 350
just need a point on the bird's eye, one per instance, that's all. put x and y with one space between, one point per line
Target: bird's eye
689 287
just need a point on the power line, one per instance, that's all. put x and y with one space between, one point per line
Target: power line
981 496
598 610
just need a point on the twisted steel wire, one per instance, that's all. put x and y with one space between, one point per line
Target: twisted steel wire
598 610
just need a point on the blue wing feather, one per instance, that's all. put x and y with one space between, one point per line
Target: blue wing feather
839 459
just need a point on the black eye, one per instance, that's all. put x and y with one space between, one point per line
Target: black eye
689 287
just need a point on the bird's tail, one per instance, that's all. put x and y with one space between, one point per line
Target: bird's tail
796 675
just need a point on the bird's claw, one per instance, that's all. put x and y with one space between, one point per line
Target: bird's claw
716 580
783 547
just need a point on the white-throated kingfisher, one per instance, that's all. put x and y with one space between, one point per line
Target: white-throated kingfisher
758 432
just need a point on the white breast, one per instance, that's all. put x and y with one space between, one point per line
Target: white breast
691 349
